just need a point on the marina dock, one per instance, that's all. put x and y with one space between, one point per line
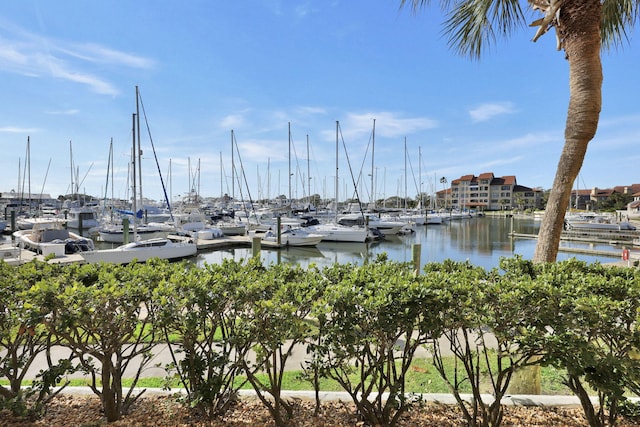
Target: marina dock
623 239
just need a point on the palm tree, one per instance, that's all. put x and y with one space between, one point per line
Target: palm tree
582 28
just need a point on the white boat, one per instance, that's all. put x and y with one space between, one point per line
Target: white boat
141 251
115 233
594 222
333 232
232 228
200 233
27 223
50 238
294 237
433 219
11 255
86 216
373 221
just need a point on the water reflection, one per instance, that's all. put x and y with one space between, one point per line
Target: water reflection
482 241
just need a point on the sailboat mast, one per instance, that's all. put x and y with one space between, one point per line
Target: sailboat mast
134 204
72 168
420 175
233 171
29 170
405 173
289 162
308 174
336 206
373 147
137 128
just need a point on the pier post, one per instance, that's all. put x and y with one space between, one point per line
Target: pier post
279 232
416 250
125 231
255 247
80 225
13 224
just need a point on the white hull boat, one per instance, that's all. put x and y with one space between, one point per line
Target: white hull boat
141 251
294 237
51 238
87 217
11 255
388 227
28 223
230 228
201 234
115 234
341 233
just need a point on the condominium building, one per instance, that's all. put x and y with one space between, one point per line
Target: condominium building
488 192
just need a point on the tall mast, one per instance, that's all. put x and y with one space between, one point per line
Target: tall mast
72 168
233 171
405 173
373 145
289 162
134 204
308 175
420 175
336 206
221 178
29 170
137 128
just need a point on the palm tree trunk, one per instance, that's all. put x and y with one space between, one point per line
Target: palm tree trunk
579 28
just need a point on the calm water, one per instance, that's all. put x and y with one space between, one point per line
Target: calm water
482 241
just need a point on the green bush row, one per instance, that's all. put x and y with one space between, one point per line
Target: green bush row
361 326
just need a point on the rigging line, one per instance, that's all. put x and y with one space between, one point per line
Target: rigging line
350 171
155 156
226 180
244 177
413 175
363 161
298 173
45 179
79 184
106 185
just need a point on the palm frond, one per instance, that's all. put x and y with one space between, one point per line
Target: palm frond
618 16
474 24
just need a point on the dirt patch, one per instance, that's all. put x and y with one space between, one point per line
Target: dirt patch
161 411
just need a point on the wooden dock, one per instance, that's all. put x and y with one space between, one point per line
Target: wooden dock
622 238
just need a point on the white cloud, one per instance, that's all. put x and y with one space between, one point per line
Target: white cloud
12 129
71 112
488 111
388 124
33 55
232 121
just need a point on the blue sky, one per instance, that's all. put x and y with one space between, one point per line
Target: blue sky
68 72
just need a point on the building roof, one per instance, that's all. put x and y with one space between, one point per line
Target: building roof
522 188
503 180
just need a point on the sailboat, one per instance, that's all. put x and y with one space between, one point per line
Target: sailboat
334 232
140 250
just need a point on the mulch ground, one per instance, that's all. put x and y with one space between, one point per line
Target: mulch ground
161 411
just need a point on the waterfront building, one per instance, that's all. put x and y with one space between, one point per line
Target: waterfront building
488 192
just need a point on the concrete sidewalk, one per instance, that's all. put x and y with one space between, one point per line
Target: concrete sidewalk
327 396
